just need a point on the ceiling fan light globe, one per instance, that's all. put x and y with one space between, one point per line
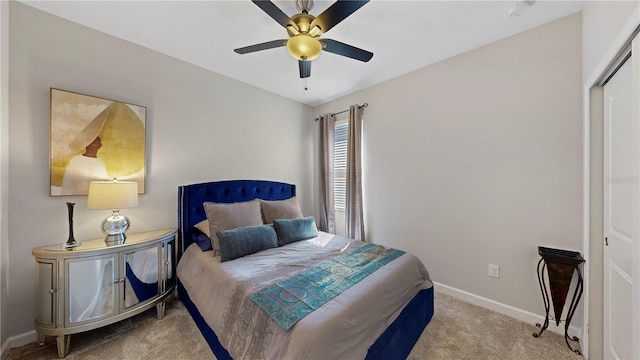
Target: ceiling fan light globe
304 47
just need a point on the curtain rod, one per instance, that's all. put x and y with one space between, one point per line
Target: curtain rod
344 111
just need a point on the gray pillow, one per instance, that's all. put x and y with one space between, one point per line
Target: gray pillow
246 240
292 230
280 209
230 216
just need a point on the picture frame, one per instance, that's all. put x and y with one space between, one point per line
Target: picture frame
93 138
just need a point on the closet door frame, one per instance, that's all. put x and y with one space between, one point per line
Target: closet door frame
592 194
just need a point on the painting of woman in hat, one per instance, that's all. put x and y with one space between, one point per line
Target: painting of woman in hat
82 167
94 139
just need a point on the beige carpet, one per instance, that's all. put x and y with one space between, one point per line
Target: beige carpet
457 331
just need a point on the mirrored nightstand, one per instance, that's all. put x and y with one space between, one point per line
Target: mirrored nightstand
95 285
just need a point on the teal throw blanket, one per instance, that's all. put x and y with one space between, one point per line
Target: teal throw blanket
288 301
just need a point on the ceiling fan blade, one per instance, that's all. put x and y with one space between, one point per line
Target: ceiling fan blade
262 46
305 68
343 49
336 13
272 10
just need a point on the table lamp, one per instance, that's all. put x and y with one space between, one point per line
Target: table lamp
114 195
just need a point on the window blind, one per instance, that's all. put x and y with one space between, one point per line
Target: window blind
340 165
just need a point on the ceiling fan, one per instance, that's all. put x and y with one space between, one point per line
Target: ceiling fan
304 30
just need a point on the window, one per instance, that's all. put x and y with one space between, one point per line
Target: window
340 165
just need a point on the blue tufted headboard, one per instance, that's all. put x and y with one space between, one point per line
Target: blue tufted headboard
191 197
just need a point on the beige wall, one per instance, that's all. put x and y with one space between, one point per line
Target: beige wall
602 21
201 127
477 160
602 24
4 165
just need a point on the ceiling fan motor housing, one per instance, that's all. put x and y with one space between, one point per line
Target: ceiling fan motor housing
303 23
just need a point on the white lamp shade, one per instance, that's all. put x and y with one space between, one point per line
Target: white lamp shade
112 195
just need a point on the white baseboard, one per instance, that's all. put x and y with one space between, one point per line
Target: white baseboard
504 309
17 341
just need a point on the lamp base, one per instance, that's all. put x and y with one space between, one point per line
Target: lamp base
115 239
114 227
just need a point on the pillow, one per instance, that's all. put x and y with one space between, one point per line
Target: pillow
201 239
292 230
280 209
246 240
203 226
230 216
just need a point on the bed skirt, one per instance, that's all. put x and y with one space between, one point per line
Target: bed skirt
395 342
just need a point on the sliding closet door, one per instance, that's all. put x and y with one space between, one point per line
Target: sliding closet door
621 210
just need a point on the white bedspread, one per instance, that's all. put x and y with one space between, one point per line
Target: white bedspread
343 328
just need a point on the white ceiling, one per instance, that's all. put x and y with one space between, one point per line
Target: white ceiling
403 35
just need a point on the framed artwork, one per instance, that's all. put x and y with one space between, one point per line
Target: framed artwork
94 139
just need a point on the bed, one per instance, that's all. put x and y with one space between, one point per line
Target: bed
382 323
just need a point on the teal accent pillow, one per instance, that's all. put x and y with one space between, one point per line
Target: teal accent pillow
292 230
246 240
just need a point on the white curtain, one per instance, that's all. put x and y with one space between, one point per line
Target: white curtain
327 219
354 212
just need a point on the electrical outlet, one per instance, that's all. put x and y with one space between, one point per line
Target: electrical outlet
494 271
